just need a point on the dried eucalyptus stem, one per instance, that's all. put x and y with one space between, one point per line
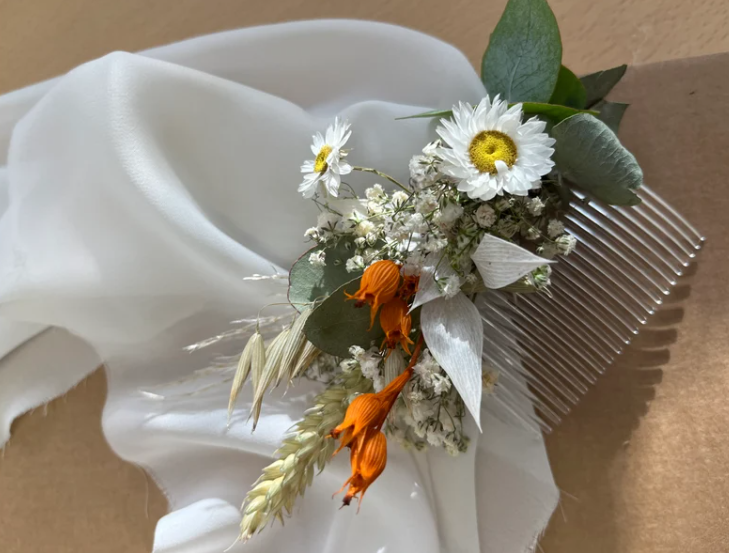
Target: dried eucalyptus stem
304 451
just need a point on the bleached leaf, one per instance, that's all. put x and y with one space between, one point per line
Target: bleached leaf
501 263
453 332
433 269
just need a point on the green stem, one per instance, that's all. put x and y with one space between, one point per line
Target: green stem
381 174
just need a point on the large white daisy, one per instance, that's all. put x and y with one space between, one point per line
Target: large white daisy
329 164
491 151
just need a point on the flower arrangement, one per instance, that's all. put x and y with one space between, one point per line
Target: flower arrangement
384 299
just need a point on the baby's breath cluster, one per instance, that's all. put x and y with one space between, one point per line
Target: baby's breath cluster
429 215
429 412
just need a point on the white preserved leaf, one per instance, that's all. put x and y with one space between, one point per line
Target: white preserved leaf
428 289
453 332
502 263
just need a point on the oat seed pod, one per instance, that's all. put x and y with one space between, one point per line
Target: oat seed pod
254 351
267 376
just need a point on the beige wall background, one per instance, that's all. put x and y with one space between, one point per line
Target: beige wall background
643 461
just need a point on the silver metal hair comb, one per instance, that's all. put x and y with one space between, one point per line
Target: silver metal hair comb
550 348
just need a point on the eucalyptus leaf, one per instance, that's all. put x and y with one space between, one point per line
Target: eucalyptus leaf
448 113
569 90
336 324
453 332
552 113
308 283
524 54
589 155
501 263
598 85
611 113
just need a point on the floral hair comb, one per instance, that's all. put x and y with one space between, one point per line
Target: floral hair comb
504 266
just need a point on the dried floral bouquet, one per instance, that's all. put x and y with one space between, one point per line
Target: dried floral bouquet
385 298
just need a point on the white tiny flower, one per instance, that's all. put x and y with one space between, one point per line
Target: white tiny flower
533 233
327 221
364 228
566 244
535 206
378 383
441 383
450 286
328 165
312 233
435 438
416 224
357 352
420 430
490 151
485 215
452 448
375 193
555 228
426 203
318 259
413 264
431 148
355 263
399 198
375 208
422 411
503 204
434 245
449 215
360 242
416 395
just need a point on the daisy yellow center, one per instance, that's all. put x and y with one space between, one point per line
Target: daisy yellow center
488 147
320 163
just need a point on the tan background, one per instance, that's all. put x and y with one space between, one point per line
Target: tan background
643 461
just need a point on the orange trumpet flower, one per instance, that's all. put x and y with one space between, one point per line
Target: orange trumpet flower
361 427
378 285
368 460
396 323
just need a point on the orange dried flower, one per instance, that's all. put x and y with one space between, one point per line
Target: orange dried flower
368 460
378 285
361 427
396 323
409 287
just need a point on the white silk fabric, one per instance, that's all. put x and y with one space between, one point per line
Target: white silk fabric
137 191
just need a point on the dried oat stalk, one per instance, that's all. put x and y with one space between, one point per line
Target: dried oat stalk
304 452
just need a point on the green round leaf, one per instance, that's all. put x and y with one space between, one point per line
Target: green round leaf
524 54
597 85
611 113
589 155
308 283
569 91
336 324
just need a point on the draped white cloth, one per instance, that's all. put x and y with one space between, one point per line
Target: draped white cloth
136 192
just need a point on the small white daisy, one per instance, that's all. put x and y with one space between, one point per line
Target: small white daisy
490 151
329 165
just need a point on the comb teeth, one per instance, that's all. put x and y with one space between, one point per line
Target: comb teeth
549 348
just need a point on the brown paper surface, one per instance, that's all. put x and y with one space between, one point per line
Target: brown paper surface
643 461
